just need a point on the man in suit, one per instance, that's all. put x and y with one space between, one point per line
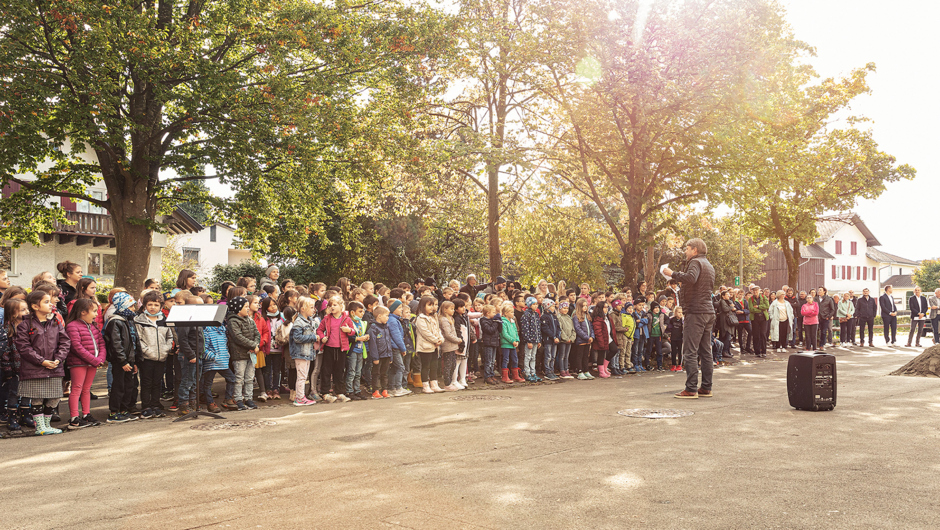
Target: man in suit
889 315
919 309
934 302
865 311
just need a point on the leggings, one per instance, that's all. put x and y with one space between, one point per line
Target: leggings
82 378
809 331
333 373
677 351
580 357
430 366
380 373
302 366
461 369
449 367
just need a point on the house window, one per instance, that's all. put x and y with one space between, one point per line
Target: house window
94 264
833 272
190 255
87 207
6 258
854 248
838 247
212 234
101 264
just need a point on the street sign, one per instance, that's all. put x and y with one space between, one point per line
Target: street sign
737 281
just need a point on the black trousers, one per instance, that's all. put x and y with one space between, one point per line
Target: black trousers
891 326
151 379
380 373
333 373
759 331
123 394
862 322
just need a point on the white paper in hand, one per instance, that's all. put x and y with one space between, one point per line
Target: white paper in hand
662 268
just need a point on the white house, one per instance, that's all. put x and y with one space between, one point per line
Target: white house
89 240
857 264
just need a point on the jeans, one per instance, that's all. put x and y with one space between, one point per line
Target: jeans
244 380
528 359
510 358
229 383
550 350
657 343
639 351
825 331
697 343
353 371
274 365
561 357
110 378
187 373
489 358
396 371
407 360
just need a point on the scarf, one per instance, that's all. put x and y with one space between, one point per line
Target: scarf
123 302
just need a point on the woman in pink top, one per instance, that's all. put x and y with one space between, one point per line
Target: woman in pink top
334 332
810 312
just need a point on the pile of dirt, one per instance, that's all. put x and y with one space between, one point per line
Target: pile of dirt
926 364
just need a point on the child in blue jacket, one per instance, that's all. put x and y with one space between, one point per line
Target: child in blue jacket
640 334
551 336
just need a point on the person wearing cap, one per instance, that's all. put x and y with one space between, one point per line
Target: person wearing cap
531 334
698 282
497 285
270 278
551 337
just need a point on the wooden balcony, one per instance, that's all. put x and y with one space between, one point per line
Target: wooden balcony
82 229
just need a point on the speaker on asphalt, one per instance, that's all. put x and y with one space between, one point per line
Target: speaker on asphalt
811 381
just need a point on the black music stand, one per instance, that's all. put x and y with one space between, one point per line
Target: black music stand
196 315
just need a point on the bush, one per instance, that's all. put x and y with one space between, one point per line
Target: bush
301 274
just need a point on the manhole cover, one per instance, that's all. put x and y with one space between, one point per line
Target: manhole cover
655 414
479 398
232 425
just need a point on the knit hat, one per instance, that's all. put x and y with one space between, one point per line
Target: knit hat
429 282
122 302
530 300
547 303
617 303
394 305
499 280
271 269
628 304
236 304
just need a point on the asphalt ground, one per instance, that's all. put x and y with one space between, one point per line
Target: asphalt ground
541 456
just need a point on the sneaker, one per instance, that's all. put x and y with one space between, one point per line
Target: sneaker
685 394
167 396
241 405
459 385
275 395
376 395
398 392
251 404
314 397
147 414
406 391
329 398
262 397
303 402
589 376
343 399
230 404
214 408
158 413
704 393
184 410
92 395
90 420
118 418
175 406
77 423
385 393
582 377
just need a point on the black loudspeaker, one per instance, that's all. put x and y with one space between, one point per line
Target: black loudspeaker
811 381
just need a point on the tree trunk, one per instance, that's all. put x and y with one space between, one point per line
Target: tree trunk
792 257
132 217
492 223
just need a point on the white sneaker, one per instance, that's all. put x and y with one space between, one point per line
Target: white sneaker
329 398
342 398
405 391
459 385
397 393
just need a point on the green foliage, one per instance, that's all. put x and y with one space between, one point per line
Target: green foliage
927 276
301 274
722 237
559 243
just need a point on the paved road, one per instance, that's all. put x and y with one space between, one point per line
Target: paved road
547 456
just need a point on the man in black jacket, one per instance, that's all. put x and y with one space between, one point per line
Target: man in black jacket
889 315
697 281
865 312
827 310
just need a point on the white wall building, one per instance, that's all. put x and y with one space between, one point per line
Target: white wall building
211 246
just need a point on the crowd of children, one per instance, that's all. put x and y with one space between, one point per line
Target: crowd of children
312 343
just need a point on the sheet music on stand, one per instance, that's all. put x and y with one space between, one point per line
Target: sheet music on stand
196 316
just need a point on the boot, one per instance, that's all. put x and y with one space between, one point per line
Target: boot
435 387
416 380
506 378
292 394
410 381
26 417
13 423
426 388
602 370
515 376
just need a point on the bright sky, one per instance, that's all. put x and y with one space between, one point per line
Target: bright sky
901 38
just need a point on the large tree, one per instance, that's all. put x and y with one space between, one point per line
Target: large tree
283 100
794 161
640 90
